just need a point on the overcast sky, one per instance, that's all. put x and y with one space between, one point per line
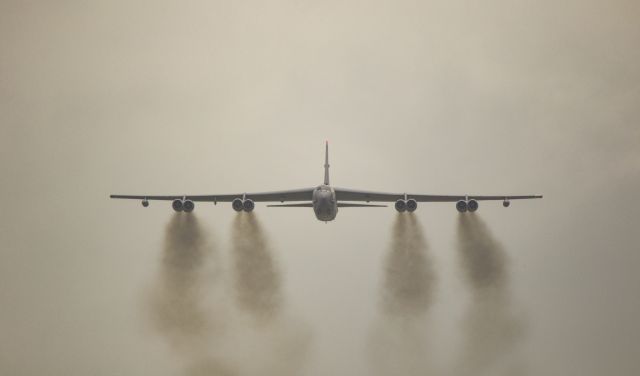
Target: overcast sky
443 97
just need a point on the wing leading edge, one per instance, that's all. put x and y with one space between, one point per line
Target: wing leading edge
343 194
275 196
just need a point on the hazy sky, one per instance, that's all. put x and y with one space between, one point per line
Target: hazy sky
173 97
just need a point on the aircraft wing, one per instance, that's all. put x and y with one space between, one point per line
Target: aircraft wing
282 196
343 194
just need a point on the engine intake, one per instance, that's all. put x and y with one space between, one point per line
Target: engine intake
412 205
248 205
506 203
237 205
188 206
461 206
472 205
145 202
401 206
177 205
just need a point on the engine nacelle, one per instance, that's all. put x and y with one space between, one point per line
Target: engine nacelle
472 205
177 205
412 205
145 202
461 206
237 205
506 203
188 206
248 205
401 205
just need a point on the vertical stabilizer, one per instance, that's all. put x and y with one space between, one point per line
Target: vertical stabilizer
326 163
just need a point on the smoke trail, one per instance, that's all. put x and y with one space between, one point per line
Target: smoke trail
281 341
398 341
210 367
409 277
177 305
257 280
483 259
492 330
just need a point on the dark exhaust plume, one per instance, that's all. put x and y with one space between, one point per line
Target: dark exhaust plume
492 330
257 280
177 305
399 339
409 278
210 367
483 259
189 309
283 341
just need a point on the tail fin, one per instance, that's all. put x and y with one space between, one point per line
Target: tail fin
326 163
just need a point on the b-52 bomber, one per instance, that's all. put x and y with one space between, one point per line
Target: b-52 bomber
325 199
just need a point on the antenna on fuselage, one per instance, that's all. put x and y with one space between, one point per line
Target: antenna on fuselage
326 163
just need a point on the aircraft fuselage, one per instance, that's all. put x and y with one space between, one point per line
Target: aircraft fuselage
325 205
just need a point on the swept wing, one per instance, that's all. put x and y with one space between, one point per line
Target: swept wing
344 194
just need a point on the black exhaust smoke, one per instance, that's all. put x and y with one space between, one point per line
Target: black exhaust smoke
258 292
257 279
491 328
408 274
177 307
398 342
